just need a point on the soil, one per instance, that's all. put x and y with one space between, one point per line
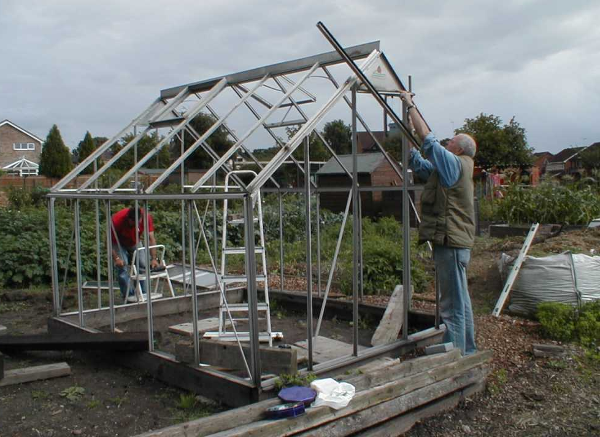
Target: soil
525 396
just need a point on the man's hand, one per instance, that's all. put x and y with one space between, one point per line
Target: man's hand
119 262
154 263
405 96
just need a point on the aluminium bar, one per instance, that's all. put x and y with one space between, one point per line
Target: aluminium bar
214 92
97 210
334 263
302 89
355 229
193 283
278 141
293 143
78 263
318 214
111 291
204 137
256 97
309 308
285 123
256 125
367 83
295 66
246 150
183 248
252 291
103 148
143 196
281 262
148 275
406 264
53 258
321 137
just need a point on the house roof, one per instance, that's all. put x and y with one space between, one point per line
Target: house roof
8 122
367 163
21 164
566 154
365 142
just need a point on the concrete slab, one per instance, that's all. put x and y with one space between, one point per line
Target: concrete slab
204 325
324 349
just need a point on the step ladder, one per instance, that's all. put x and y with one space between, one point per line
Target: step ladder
239 311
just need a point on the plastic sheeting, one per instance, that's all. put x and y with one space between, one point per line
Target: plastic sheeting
567 278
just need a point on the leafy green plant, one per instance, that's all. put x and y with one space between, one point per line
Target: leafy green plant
39 395
73 393
557 319
190 407
296 379
94 403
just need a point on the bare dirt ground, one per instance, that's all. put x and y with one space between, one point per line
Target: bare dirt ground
526 396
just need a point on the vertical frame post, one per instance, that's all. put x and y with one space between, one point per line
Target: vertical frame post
309 308
111 291
194 296
148 280
97 209
355 228
78 262
53 258
318 214
406 279
252 291
182 181
280 241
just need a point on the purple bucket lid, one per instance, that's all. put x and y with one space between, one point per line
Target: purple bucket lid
298 394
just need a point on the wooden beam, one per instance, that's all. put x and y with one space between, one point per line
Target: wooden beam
1 366
131 341
226 354
160 307
391 322
29 374
438 397
362 400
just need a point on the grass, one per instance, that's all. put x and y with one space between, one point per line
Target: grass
73 394
190 407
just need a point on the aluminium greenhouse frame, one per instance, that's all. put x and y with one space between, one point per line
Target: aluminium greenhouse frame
165 112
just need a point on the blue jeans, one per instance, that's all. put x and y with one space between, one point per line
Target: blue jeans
455 304
126 253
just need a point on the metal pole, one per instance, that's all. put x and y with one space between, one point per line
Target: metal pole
318 213
182 181
252 292
111 291
280 242
360 249
148 280
53 258
406 280
309 309
97 208
385 121
214 214
355 228
78 263
193 282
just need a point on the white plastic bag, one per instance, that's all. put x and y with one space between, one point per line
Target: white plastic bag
331 393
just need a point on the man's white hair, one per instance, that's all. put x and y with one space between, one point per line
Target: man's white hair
467 144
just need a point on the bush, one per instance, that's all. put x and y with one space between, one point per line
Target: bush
562 322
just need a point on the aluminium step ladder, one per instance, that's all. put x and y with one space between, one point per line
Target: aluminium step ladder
239 311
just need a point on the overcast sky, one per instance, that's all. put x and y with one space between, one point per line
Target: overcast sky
90 65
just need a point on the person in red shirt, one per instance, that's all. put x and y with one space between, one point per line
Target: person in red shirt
124 244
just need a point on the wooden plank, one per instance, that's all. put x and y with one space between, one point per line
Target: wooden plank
547 350
403 423
203 325
406 405
162 307
29 374
132 341
324 349
3 330
515 270
364 399
225 354
402 370
391 322
1 366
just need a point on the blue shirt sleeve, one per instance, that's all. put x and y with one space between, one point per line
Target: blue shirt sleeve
420 166
446 163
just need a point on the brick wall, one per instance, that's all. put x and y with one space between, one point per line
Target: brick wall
8 136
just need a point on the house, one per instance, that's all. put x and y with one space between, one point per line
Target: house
19 150
567 162
373 171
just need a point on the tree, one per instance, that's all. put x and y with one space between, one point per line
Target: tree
318 152
146 143
339 136
55 160
590 157
498 145
85 149
219 141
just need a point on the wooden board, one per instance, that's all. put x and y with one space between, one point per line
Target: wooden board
203 326
227 355
391 322
1 366
28 374
133 341
324 349
3 330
